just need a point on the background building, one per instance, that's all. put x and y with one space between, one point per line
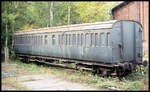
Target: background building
138 11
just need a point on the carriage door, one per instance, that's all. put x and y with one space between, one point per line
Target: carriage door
124 41
128 40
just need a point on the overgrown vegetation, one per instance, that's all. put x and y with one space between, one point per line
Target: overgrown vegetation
137 80
12 82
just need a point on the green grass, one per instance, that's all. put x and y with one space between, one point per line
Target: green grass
133 81
12 82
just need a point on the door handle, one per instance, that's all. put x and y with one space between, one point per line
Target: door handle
121 50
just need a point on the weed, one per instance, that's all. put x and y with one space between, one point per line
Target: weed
13 83
132 81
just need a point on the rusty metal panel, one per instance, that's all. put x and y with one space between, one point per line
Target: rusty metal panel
127 41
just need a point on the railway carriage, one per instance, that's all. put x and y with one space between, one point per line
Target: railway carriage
109 48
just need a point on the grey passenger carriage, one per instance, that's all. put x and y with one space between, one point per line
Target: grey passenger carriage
100 45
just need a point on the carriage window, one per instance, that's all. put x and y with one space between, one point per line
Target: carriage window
62 40
82 39
33 40
102 39
78 39
87 39
45 39
108 39
92 39
66 39
41 40
36 40
74 39
28 39
23 40
96 39
69 39
20 41
59 39
17 39
53 40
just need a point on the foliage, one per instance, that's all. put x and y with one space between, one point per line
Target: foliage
29 15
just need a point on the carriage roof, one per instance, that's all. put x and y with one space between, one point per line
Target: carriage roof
96 25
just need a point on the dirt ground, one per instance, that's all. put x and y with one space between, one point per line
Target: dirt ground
16 77
47 82
40 81
6 87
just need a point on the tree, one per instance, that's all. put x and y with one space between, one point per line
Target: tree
69 3
51 14
93 11
6 42
18 16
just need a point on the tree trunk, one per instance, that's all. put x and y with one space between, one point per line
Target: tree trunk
13 31
51 14
69 13
6 43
